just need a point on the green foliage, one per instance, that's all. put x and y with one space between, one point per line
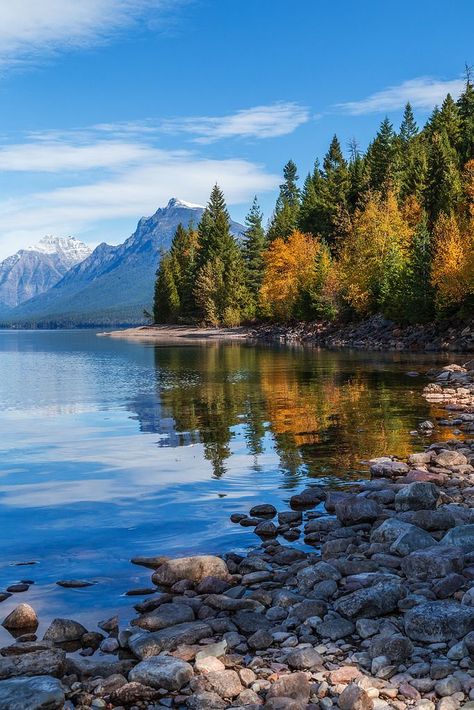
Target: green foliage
382 159
254 245
285 216
443 182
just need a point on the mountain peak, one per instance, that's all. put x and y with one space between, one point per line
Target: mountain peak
61 245
176 202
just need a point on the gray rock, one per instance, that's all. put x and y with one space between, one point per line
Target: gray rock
448 458
370 603
166 615
448 686
416 496
266 529
335 629
430 562
389 530
192 568
162 672
439 519
388 469
461 536
439 621
151 644
354 698
304 658
357 509
396 648
40 693
266 510
295 686
205 701
225 683
50 662
411 540
64 630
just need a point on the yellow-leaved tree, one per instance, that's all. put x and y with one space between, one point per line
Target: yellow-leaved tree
450 267
375 254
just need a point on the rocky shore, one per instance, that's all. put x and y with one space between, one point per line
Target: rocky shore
374 611
375 333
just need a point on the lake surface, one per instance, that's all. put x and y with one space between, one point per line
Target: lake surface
112 448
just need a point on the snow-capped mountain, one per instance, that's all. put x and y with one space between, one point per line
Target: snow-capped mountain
36 269
114 283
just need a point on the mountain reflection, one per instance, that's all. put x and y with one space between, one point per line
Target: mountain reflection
322 412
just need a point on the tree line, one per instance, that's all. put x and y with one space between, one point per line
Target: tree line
387 231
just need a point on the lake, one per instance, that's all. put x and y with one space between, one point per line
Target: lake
112 448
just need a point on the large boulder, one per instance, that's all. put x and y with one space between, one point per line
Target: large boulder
461 536
389 530
50 662
410 540
192 568
437 561
151 644
447 458
64 630
439 519
40 693
439 621
165 615
370 602
388 469
357 509
416 496
162 672
23 617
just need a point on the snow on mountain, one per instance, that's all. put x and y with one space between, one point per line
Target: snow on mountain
34 270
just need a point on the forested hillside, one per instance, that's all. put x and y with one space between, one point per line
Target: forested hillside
387 231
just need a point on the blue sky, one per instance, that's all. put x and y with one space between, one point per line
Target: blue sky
110 107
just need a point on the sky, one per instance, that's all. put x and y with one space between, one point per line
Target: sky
111 107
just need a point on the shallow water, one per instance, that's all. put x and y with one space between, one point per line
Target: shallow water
111 449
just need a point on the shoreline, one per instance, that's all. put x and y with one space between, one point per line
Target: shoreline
376 613
375 333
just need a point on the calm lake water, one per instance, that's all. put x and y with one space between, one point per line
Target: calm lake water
111 449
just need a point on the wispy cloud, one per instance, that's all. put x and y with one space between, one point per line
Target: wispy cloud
271 121
30 29
423 92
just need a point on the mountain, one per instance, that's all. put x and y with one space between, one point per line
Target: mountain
34 270
114 283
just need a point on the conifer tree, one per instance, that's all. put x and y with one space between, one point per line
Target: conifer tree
166 298
466 113
253 247
408 127
358 177
335 189
419 293
448 121
382 156
285 216
443 184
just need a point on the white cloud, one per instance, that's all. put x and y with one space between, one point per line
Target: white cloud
424 93
33 28
271 121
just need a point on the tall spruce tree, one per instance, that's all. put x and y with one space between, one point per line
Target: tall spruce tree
285 217
254 245
218 247
166 299
335 189
466 113
443 183
408 127
382 159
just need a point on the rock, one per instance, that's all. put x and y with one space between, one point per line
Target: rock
109 625
132 693
416 496
109 645
22 617
261 639
40 693
166 615
287 517
388 469
162 672
97 666
447 458
192 568
389 530
16 588
439 621
266 529
151 644
266 510
63 630
431 562
411 540
357 509
212 585
225 683
308 498
37 663
448 686
208 664
213 649
335 629
461 536
283 704
370 603
304 658
295 686
205 701
354 698
439 519
74 583
344 674
396 648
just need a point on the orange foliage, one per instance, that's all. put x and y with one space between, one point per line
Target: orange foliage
449 273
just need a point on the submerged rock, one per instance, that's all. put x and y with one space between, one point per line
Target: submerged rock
22 617
193 568
40 693
64 630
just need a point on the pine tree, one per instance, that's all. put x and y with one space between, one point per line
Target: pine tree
466 113
419 293
443 183
335 189
285 216
408 127
448 121
253 247
183 254
382 156
218 247
166 299
358 177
